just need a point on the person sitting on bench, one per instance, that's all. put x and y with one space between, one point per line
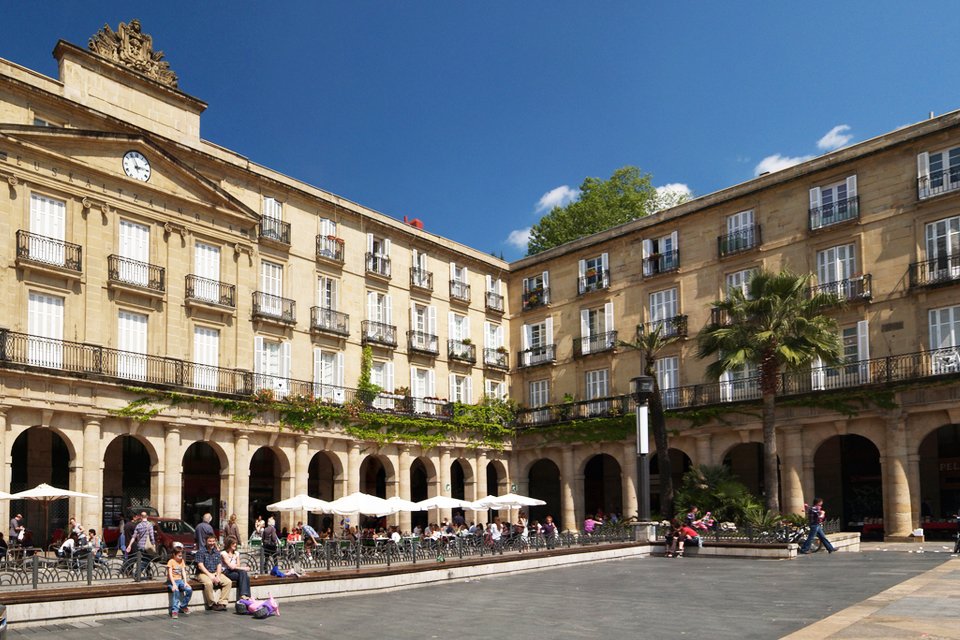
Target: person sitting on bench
210 573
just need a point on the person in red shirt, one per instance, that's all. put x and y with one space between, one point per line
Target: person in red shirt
681 534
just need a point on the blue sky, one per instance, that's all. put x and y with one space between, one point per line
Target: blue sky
471 115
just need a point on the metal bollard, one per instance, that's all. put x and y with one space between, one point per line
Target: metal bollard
357 553
263 561
36 570
90 568
137 566
326 552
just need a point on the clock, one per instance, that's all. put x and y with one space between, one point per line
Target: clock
136 165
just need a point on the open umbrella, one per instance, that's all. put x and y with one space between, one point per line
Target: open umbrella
299 502
359 503
45 494
442 502
399 504
517 501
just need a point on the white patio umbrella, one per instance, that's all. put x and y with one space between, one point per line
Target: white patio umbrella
399 504
490 502
443 502
299 502
517 501
45 494
359 503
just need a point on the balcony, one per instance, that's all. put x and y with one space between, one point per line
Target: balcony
938 182
330 249
536 298
274 231
421 279
739 241
133 273
459 291
377 265
274 308
378 333
719 316
493 302
598 280
596 343
420 342
534 356
661 263
675 326
496 359
210 292
48 252
568 411
940 271
834 213
461 351
324 320
856 289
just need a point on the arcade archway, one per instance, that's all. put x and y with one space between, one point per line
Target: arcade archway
544 479
602 486
846 474
40 455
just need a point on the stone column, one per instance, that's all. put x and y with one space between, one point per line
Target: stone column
704 449
913 478
791 470
241 481
898 515
5 463
806 480
172 472
403 465
567 509
301 468
91 516
353 468
628 481
444 473
481 487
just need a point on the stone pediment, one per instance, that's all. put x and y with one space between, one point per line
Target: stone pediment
104 152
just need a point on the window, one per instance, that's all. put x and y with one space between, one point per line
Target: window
537 343
596 384
271 365
539 393
741 233
938 172
856 352
329 246
536 290
495 389
945 339
836 264
132 343
594 273
663 308
328 375
833 203
459 282
378 255
271 288
206 266
47 223
272 208
45 326
381 374
459 327
206 358
740 280
493 352
327 292
461 389
423 385
134 253
660 255
943 249
494 293
420 275
596 329
378 307
667 371
423 327
739 384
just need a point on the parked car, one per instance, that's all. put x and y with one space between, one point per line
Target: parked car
167 531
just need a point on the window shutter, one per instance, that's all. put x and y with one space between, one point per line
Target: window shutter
388 377
815 198
369 243
371 305
488 335
489 283
431 383
501 288
413 316
453 387
468 392
526 285
415 258
585 331
259 356
605 265
386 248
725 390
453 271
285 360
817 374
466 275
488 388
451 333
546 279
863 350
432 320
923 166
388 306
334 301
549 327
647 252
339 375
317 372
525 338
499 336
852 186
675 246
608 317
413 382
581 268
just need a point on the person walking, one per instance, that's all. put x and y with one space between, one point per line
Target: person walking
204 530
232 530
815 517
145 539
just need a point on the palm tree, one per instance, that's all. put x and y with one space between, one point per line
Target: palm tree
649 344
777 323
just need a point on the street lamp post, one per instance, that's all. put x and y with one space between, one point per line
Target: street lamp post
641 388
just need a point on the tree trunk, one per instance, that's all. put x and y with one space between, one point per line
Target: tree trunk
771 479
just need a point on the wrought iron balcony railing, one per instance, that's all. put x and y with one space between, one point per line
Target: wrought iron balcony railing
596 281
496 358
739 241
855 289
32 247
270 307
943 181
422 342
939 271
543 354
675 326
274 230
462 351
493 301
138 274
421 279
330 248
834 213
329 321
536 298
596 343
378 265
210 291
459 291
378 333
661 263
719 316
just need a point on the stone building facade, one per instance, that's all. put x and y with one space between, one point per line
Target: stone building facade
141 256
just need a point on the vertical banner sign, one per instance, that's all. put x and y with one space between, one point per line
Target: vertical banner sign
643 440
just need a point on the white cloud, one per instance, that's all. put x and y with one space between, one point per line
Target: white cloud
776 162
557 198
674 189
519 238
835 138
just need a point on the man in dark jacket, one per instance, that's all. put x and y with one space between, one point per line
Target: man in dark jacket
204 531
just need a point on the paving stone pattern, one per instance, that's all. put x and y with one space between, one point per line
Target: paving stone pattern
698 598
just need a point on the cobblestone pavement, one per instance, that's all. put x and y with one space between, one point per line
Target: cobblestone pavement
635 598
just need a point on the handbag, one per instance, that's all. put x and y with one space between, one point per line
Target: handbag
149 547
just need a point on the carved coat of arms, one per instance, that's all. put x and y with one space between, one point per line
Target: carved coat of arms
131 47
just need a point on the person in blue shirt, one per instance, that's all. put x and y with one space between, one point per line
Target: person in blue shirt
204 529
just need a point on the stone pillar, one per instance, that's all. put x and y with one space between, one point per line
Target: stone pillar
704 450
5 463
403 469
806 480
567 509
353 468
241 481
301 466
898 514
913 478
481 487
628 481
91 516
792 470
444 473
172 472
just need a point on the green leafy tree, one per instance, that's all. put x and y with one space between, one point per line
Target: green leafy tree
628 194
650 344
775 325
366 391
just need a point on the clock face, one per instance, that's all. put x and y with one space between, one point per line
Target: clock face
136 165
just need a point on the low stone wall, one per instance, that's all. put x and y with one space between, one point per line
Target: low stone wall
845 541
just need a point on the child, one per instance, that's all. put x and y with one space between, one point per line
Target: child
177 581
